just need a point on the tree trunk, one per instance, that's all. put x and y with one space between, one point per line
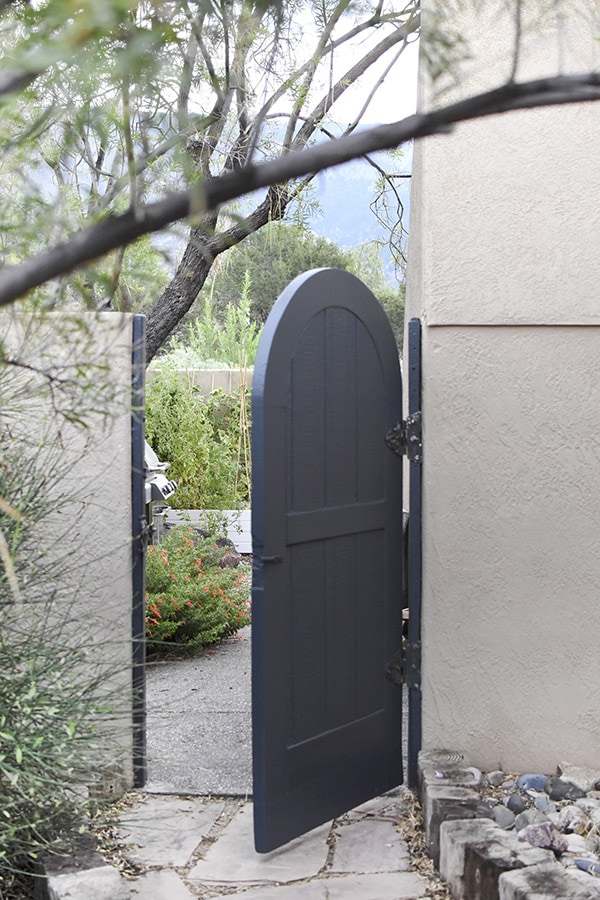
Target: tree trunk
202 249
180 293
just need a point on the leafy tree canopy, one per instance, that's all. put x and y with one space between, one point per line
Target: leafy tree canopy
264 264
114 105
119 118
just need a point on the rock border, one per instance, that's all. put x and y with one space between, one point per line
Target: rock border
477 858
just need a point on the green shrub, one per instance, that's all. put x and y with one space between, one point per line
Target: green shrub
205 440
211 341
190 599
54 712
46 731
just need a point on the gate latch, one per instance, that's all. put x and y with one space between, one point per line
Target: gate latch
405 666
406 438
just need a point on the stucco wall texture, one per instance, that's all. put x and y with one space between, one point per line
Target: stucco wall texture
504 271
87 534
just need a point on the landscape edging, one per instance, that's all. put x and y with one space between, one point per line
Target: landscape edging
477 858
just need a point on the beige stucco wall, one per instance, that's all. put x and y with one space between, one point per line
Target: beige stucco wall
504 271
512 201
209 380
86 537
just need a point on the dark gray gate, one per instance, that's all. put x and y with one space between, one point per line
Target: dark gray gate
327 532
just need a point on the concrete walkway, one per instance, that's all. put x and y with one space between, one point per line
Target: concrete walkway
199 721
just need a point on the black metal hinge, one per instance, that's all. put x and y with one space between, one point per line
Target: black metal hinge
406 438
405 666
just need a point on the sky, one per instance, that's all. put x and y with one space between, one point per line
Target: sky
394 99
390 104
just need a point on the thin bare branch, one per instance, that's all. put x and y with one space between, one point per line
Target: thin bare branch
9 568
344 83
379 83
114 231
143 164
313 63
129 151
215 83
185 84
411 27
517 39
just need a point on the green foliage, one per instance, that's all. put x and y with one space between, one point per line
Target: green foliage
270 259
208 342
107 107
51 700
191 600
262 266
46 730
443 47
65 134
205 439
365 263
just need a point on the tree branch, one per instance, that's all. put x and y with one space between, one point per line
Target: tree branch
112 232
409 27
346 81
313 64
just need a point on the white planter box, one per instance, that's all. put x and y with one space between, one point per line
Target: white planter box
238 523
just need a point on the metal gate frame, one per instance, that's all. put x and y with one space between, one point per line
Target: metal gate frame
138 548
414 559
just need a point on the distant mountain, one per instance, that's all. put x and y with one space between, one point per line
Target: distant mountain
345 195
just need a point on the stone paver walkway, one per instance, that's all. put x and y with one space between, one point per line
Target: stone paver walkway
190 831
198 847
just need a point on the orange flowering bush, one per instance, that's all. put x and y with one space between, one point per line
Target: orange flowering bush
190 599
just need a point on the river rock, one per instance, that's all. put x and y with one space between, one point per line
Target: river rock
503 816
545 835
529 817
544 804
588 865
559 789
230 559
588 805
585 778
531 782
574 820
578 845
495 778
516 804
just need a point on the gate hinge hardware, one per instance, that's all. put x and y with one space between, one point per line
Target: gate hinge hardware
405 666
406 438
